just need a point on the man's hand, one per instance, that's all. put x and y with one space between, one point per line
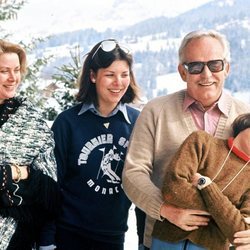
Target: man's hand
242 240
186 219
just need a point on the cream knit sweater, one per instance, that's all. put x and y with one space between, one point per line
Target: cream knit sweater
161 128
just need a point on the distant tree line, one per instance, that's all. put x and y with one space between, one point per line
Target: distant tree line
63 72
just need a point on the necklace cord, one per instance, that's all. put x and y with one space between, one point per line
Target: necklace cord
222 166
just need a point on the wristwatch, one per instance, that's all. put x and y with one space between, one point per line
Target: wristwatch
203 181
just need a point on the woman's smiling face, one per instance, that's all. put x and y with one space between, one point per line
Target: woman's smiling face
10 75
111 84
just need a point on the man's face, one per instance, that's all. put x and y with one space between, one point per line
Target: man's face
207 86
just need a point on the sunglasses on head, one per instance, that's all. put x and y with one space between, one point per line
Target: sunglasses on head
197 67
109 45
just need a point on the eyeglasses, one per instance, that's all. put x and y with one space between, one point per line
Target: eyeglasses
197 67
109 45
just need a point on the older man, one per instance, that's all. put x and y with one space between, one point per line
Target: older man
166 121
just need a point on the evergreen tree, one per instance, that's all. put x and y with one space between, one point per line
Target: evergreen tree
9 9
65 82
30 86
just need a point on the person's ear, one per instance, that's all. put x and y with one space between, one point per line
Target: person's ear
92 76
182 72
227 69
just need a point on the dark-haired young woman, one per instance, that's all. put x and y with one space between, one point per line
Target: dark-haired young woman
91 144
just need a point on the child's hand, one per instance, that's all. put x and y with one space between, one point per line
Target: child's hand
195 179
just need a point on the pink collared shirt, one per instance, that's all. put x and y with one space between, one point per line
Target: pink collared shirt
206 120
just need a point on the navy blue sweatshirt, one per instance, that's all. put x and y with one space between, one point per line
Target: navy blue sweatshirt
90 153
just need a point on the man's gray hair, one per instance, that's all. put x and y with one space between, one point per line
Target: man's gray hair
204 33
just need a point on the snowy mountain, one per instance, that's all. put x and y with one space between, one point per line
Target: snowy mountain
46 17
153 31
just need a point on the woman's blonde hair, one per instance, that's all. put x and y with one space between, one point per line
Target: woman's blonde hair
8 47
